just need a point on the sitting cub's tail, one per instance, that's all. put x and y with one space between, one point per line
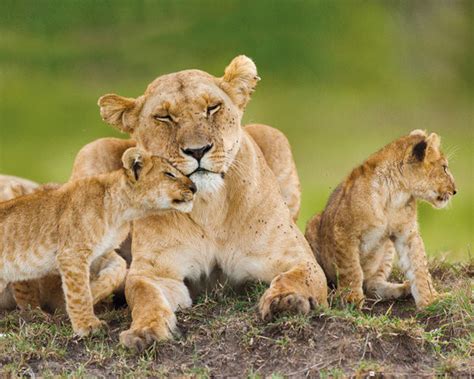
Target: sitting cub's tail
312 233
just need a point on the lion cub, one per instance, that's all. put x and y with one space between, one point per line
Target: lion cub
67 228
373 212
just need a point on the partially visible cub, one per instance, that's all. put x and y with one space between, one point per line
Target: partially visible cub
69 227
373 212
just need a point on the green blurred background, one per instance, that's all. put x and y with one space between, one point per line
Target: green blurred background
340 78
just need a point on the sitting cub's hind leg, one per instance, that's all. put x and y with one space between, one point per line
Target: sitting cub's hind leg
376 283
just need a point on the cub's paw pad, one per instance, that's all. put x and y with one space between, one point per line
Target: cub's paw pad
294 303
140 338
89 327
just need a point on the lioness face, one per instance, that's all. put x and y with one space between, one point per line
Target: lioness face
429 175
155 184
189 117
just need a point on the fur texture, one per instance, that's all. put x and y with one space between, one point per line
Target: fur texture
66 229
107 272
242 220
372 214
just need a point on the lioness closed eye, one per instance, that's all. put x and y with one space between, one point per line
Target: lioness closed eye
67 228
373 212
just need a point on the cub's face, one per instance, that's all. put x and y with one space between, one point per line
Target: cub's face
191 118
428 173
156 184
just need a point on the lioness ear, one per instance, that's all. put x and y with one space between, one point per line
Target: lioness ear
134 160
239 80
419 151
121 112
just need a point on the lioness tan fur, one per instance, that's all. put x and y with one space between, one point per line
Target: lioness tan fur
242 220
373 213
68 228
107 272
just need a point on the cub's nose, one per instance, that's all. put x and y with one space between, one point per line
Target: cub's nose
193 188
455 192
197 153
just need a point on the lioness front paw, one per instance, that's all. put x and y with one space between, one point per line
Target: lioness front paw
140 338
273 303
84 328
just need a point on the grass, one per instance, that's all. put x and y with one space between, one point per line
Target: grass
221 335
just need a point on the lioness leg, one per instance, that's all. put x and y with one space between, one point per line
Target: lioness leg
376 283
27 294
109 273
277 152
153 301
297 290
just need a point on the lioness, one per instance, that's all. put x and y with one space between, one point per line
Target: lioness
375 209
107 272
69 227
248 196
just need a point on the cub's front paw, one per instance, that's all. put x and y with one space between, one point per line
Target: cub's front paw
273 303
426 301
86 327
354 297
139 338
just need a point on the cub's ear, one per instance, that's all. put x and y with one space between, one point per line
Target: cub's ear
434 141
239 80
419 151
121 112
418 132
134 159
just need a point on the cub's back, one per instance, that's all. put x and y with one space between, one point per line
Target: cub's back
28 224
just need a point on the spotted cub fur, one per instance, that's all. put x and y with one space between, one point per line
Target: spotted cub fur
373 213
65 229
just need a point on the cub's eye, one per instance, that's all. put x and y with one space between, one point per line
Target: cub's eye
445 168
163 118
170 175
213 109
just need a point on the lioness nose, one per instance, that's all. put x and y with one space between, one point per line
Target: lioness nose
197 153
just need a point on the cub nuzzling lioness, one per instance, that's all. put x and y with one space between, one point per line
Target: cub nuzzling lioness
373 213
67 228
107 273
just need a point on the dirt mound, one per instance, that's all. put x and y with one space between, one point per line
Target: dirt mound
222 336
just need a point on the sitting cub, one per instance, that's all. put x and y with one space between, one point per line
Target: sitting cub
67 228
374 211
